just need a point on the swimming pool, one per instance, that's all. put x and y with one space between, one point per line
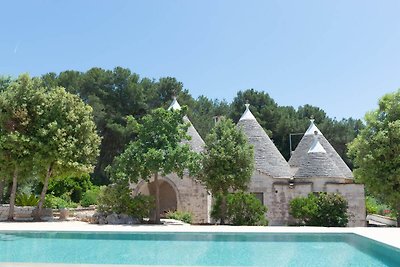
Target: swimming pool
196 249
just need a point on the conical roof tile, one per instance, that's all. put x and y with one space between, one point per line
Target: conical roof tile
267 157
300 155
196 143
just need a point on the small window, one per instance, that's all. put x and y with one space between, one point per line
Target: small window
259 196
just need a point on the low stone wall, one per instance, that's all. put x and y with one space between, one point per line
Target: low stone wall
24 213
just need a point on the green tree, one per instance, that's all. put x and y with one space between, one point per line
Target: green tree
20 108
376 152
158 150
228 162
67 139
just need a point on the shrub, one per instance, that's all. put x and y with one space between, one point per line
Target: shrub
24 199
74 187
324 209
241 209
117 198
90 197
245 209
183 216
371 205
54 202
304 208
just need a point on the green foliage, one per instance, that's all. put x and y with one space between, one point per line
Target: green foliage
326 209
376 152
245 209
73 186
241 209
304 208
62 202
90 197
228 159
376 207
24 199
183 216
115 94
20 112
158 149
117 198
228 162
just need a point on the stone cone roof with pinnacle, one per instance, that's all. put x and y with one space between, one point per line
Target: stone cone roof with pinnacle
196 143
301 157
267 157
317 163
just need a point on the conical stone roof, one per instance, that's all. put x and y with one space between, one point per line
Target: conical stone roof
317 163
300 155
196 143
267 157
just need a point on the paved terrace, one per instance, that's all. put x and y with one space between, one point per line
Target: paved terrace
390 236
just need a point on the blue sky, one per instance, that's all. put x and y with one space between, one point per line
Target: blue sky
338 55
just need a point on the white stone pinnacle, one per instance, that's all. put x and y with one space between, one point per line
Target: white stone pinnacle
247 115
174 105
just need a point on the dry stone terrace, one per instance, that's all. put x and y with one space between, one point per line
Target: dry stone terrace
315 166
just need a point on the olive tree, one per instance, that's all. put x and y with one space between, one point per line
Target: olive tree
157 150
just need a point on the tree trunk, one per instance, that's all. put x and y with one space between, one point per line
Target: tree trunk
2 185
157 212
12 195
223 209
39 209
398 216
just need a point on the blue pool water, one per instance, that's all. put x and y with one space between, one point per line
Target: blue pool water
200 249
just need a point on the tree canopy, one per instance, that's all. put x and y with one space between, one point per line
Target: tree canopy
157 150
228 162
118 93
45 132
376 152
20 109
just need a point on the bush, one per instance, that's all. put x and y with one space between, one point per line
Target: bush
24 199
54 202
304 209
117 198
241 209
245 209
371 205
183 216
90 197
74 187
324 209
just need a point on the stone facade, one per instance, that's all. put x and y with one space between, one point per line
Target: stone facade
314 167
183 194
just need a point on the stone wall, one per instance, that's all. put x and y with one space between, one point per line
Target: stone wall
191 196
354 193
281 195
24 213
277 194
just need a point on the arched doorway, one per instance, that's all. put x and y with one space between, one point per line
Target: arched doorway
168 195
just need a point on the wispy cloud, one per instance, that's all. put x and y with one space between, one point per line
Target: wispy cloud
16 48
